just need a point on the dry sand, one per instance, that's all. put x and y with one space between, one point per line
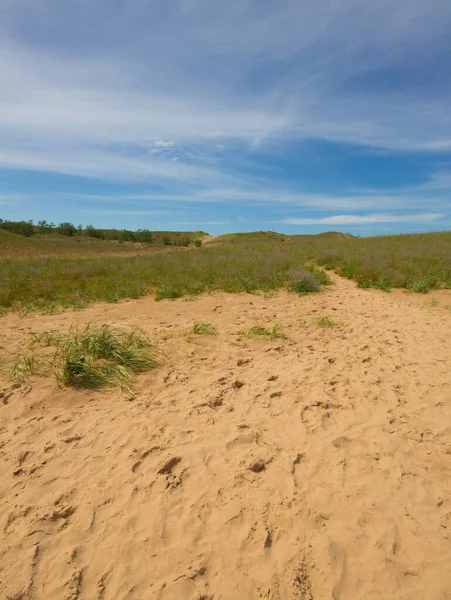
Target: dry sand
347 430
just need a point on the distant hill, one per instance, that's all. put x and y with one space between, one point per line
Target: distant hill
13 245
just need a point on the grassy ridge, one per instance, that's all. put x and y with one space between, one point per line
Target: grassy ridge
420 262
262 261
13 245
231 267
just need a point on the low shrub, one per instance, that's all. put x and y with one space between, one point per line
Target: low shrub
302 282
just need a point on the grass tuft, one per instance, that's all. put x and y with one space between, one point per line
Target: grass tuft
319 274
74 367
302 282
131 349
424 284
325 322
104 357
168 292
45 339
204 329
271 333
92 357
25 364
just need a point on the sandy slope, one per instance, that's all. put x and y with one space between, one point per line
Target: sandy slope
106 496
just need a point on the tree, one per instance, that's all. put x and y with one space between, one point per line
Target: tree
95 233
66 228
43 226
144 235
127 236
113 234
25 228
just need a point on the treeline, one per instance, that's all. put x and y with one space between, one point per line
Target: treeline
28 229
162 238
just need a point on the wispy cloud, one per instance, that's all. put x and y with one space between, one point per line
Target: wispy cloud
315 70
200 223
363 219
423 196
204 101
118 212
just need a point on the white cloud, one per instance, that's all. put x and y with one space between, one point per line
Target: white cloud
202 223
39 97
163 144
422 197
118 212
180 85
362 219
101 163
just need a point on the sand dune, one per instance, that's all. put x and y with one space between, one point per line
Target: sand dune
313 467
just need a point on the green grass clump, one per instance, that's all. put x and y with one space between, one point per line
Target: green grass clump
201 328
24 365
319 274
131 349
73 367
104 356
271 333
92 357
325 322
45 339
236 263
424 284
302 281
168 292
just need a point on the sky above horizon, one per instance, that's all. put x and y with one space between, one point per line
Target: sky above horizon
295 116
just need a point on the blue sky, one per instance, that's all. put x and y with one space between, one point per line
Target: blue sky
297 116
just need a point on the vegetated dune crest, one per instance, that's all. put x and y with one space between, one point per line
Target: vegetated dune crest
313 466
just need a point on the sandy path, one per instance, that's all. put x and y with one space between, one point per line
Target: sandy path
103 496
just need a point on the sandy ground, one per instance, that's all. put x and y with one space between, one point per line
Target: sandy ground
314 467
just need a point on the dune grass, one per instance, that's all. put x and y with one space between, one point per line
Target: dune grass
325 322
93 357
201 328
270 333
250 266
24 365
418 262
55 244
251 263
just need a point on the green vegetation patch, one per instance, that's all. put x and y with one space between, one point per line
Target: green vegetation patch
325 322
202 328
271 333
92 357
47 283
419 262
261 262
